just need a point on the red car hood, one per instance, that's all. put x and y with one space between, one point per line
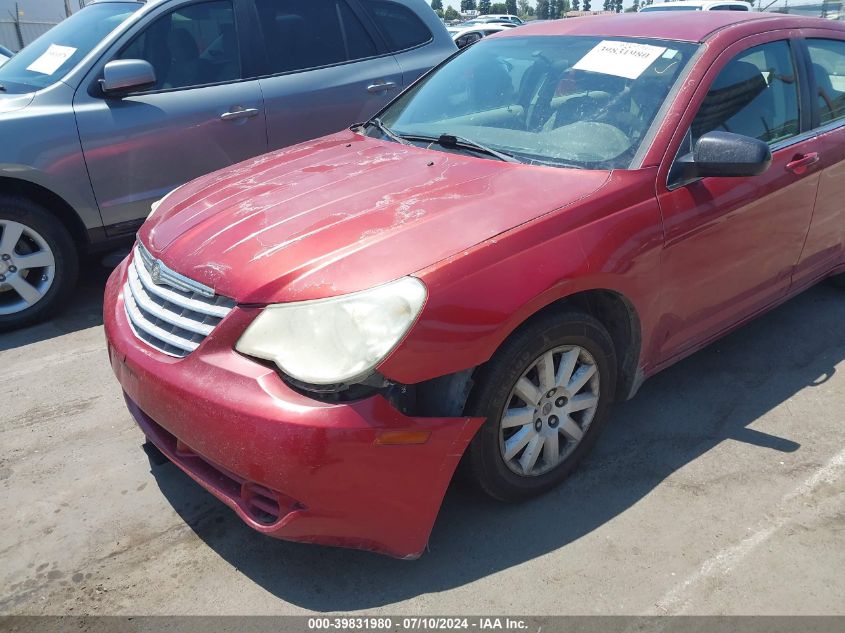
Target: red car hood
344 213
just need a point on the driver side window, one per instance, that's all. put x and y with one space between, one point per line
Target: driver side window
755 94
192 46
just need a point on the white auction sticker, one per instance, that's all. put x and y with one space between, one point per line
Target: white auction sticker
622 59
52 59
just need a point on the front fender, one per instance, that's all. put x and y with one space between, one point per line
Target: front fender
478 298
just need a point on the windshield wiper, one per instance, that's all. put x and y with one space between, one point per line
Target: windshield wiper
445 140
451 141
381 127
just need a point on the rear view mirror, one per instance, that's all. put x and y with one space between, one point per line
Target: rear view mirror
123 75
723 154
731 155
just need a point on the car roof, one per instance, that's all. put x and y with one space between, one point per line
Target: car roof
697 3
695 26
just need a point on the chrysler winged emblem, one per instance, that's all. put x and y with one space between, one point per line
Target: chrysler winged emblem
155 274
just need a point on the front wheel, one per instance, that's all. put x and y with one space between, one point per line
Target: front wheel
546 394
38 263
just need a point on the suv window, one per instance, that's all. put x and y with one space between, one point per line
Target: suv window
192 46
301 34
756 94
398 24
828 59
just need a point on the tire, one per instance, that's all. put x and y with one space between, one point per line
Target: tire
35 288
498 389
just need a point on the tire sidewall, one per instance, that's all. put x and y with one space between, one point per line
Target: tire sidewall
492 392
64 254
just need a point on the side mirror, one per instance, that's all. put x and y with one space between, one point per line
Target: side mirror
725 155
123 75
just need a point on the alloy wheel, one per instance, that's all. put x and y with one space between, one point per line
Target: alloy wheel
549 410
27 267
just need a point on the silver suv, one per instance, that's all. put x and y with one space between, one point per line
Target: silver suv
125 100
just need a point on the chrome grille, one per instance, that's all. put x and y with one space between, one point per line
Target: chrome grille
173 315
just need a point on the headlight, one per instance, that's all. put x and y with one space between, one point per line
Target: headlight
155 205
336 340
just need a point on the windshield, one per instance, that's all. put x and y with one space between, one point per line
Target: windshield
48 58
565 101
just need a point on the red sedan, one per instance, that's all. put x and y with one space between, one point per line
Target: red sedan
320 335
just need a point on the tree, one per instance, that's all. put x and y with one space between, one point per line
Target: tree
498 8
484 7
636 6
510 7
608 4
586 5
525 8
437 5
543 9
565 7
450 14
576 5
468 5
617 6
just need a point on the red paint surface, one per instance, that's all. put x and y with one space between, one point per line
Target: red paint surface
494 243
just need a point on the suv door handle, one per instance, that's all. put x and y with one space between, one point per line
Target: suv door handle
801 162
384 86
239 113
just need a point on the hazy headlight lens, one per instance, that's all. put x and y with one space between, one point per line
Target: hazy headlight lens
335 340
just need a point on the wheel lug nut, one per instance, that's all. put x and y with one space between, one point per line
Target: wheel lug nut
13 269
553 421
43 277
551 393
5 257
561 402
2 277
538 424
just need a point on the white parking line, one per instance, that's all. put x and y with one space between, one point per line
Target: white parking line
678 599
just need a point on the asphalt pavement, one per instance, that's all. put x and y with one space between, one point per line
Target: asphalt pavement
720 489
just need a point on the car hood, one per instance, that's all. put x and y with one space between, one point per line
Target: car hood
344 213
12 102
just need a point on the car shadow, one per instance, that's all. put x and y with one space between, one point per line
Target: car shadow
83 310
678 416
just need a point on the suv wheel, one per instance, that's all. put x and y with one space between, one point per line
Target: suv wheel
546 394
38 263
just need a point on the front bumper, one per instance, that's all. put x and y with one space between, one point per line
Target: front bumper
289 466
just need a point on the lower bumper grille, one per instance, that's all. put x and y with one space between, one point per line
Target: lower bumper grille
167 311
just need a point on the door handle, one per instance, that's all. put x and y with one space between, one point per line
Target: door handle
384 86
239 113
801 162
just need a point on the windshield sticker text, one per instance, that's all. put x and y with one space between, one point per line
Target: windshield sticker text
52 59
622 59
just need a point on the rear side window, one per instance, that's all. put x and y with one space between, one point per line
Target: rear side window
828 58
755 94
192 46
400 26
302 34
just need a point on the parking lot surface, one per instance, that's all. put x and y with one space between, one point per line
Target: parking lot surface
719 490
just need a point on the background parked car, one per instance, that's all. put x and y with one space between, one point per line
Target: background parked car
464 36
496 17
698 5
124 101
